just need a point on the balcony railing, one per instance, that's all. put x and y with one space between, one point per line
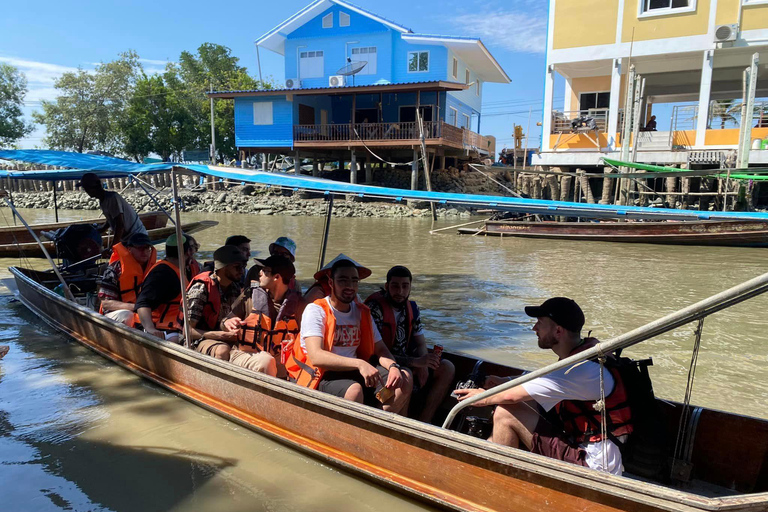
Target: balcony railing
580 120
365 132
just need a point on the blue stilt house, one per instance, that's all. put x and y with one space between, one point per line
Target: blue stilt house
326 113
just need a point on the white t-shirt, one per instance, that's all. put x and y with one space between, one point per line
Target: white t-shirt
581 383
113 205
347 337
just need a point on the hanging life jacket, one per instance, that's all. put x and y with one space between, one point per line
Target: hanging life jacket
388 329
259 334
166 316
131 274
209 321
299 365
194 268
582 422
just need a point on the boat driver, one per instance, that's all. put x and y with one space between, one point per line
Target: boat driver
120 215
521 413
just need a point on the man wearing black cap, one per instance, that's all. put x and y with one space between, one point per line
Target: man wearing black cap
120 215
122 280
211 297
520 417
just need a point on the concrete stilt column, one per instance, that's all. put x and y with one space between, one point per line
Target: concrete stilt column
353 168
671 186
368 171
587 190
297 163
554 187
607 194
264 162
527 185
537 188
315 169
442 162
415 171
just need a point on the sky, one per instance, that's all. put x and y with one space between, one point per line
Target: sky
47 38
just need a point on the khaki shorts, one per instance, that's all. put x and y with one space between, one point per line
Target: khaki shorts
261 362
123 316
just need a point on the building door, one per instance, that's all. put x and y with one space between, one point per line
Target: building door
367 115
306 114
408 114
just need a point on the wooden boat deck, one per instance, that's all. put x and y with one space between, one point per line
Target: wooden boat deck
443 467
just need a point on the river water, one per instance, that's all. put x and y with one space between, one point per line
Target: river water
78 433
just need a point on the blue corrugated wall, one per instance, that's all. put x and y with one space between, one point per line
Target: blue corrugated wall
278 134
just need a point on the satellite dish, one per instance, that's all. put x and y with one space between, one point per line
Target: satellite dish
352 68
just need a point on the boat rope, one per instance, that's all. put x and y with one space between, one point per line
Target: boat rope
682 429
377 156
603 414
514 194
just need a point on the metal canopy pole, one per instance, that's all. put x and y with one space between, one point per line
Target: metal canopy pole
701 309
67 292
55 204
182 258
747 111
154 200
326 230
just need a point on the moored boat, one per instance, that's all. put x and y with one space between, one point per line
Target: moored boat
734 233
157 235
444 467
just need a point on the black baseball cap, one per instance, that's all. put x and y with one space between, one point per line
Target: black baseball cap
88 177
563 311
278 265
227 255
138 240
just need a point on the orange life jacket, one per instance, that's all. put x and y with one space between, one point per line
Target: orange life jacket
209 321
389 327
300 366
194 267
131 273
166 316
323 284
258 334
583 423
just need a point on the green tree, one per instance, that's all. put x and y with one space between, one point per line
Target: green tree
213 66
13 88
86 114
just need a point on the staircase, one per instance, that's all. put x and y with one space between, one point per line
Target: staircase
654 141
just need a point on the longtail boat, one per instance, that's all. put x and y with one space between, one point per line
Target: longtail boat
157 235
734 233
19 234
726 454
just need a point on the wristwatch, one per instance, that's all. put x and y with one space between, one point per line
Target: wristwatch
395 365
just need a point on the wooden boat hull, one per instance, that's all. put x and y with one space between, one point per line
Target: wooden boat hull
158 235
711 233
445 468
10 235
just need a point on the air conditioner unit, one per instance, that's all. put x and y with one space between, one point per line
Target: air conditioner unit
336 81
292 83
725 33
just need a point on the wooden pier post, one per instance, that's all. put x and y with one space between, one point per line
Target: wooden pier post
415 171
586 188
353 168
537 188
554 188
607 194
368 170
315 168
671 186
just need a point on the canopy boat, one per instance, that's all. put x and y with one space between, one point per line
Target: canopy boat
444 467
157 235
19 234
735 233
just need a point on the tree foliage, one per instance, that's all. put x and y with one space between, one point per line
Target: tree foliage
86 115
13 88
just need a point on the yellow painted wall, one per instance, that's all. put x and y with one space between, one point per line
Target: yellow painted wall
755 17
727 12
661 27
578 141
594 84
584 23
730 137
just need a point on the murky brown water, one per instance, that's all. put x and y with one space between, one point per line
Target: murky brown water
77 433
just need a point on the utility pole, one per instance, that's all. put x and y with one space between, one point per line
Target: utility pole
747 111
213 132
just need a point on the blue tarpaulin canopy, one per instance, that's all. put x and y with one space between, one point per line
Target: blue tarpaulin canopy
117 167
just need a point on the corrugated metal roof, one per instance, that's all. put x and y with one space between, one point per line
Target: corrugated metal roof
436 83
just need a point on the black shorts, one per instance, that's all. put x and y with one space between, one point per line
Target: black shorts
337 384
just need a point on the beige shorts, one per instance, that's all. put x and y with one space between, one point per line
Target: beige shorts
261 362
123 316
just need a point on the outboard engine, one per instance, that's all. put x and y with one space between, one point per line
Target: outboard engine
76 243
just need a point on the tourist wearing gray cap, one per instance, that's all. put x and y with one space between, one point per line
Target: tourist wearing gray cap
120 285
120 215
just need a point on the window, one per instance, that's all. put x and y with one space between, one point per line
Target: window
418 62
453 116
328 21
311 64
654 7
594 100
456 68
477 87
368 55
262 112
466 77
343 19
466 122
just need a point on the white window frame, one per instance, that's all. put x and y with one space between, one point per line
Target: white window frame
667 11
468 120
455 67
754 2
329 19
579 95
477 87
467 76
455 116
367 70
344 19
321 70
263 113
417 52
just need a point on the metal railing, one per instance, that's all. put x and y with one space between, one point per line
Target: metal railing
726 114
580 120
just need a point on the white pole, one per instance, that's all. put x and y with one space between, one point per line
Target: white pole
182 259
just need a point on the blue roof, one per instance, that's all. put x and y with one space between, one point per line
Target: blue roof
288 181
341 88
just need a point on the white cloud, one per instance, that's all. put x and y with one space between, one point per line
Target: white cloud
37 72
161 63
523 28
